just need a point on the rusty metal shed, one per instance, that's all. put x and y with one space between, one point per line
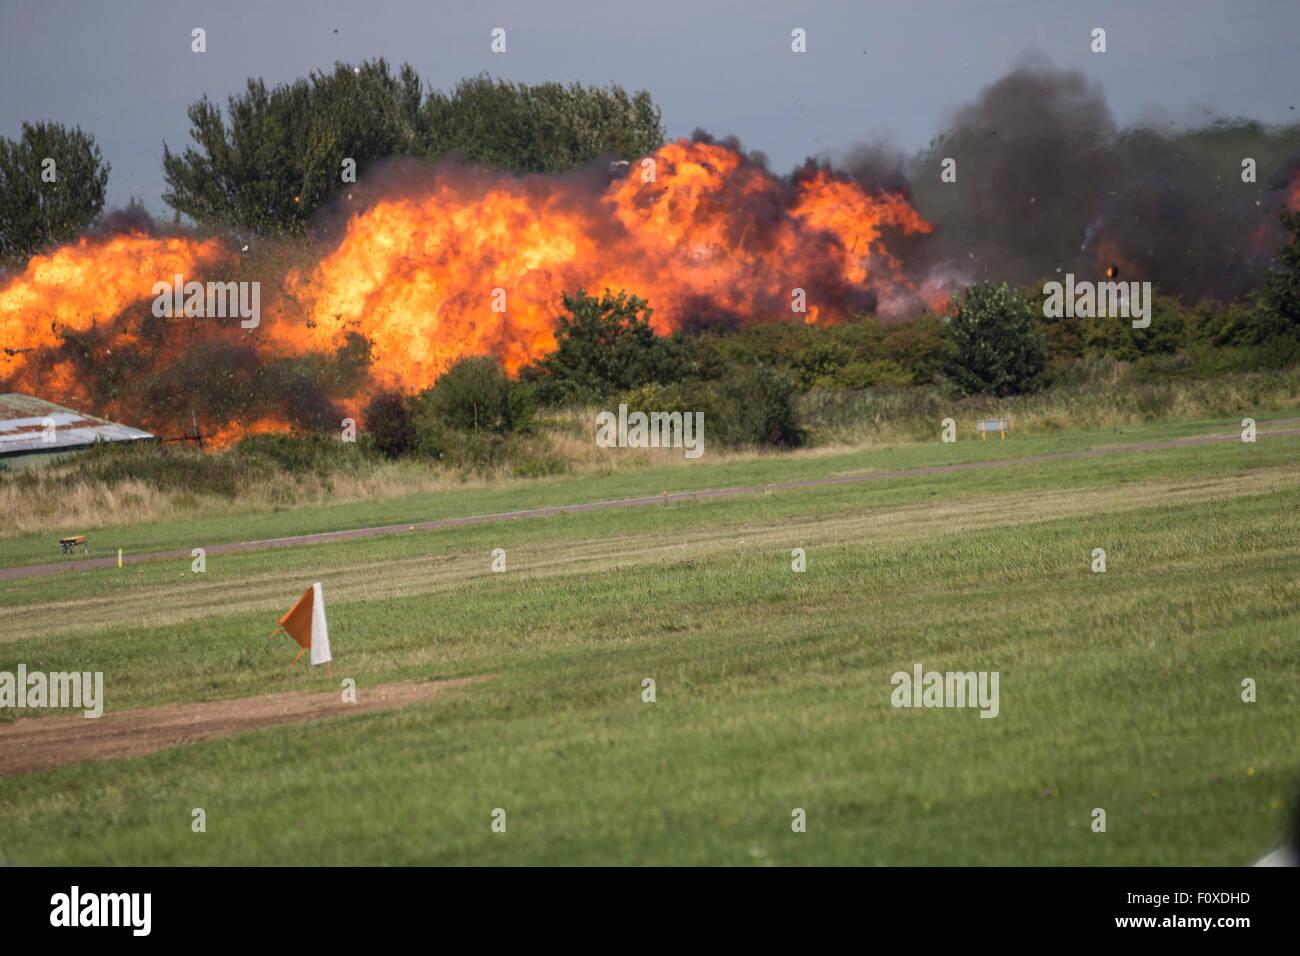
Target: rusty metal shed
34 431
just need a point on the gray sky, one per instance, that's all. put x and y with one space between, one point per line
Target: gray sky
124 71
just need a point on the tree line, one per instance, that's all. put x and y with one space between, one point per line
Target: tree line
274 156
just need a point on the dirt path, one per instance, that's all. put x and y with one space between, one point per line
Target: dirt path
41 570
44 743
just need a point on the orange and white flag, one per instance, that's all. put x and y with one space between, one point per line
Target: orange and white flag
305 623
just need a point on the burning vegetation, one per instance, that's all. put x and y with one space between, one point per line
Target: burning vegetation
437 264
418 264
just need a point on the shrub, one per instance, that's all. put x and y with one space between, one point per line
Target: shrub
749 407
168 468
679 397
520 407
860 375
604 346
304 453
755 406
1280 291
475 394
918 345
816 364
541 467
1166 335
470 395
996 348
774 344
477 450
388 420
432 439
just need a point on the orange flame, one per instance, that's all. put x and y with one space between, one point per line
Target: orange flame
77 286
472 263
1112 263
92 279
478 266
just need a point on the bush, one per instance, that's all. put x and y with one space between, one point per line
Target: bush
304 453
388 420
432 438
470 395
1166 335
816 365
750 407
520 407
774 344
604 346
755 406
165 467
679 397
996 348
541 467
475 394
918 345
1280 291
860 375
479 451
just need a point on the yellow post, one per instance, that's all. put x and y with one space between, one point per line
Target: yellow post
119 557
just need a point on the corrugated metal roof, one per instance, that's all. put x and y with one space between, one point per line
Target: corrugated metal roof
25 421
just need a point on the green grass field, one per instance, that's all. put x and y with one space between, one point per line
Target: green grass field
1119 690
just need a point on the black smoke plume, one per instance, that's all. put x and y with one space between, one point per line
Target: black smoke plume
1048 183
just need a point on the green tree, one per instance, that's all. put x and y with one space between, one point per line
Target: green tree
546 128
475 394
34 212
995 347
1280 292
277 157
281 155
605 345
